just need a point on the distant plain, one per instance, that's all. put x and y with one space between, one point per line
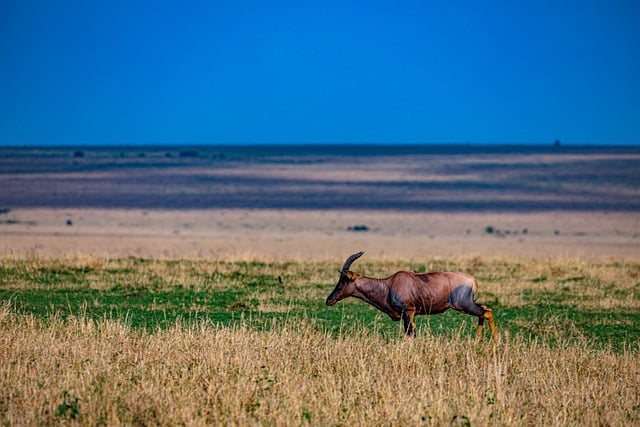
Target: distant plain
322 201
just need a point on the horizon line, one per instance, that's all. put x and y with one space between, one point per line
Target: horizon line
556 143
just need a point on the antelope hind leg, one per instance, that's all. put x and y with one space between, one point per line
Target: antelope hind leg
488 314
480 325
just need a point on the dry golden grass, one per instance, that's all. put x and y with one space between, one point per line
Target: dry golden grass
105 373
295 371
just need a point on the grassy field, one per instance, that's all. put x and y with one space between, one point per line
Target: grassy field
196 341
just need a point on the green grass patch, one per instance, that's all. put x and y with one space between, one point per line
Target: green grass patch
562 304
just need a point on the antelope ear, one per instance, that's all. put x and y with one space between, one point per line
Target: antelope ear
352 276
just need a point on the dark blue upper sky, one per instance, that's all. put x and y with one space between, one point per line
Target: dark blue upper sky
145 72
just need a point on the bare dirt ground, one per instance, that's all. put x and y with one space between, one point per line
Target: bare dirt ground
291 234
321 202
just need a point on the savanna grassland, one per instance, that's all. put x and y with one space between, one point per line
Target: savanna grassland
101 341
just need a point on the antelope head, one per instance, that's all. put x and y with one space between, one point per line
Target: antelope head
345 286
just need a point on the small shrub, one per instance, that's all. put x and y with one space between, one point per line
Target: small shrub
70 406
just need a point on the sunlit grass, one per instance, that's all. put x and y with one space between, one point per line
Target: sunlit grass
243 341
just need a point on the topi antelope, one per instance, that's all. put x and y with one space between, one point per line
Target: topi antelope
405 294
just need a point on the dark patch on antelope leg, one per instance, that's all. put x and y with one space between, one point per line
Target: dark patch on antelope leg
395 302
461 299
397 306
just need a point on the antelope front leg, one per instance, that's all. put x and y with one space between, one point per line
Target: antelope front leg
409 323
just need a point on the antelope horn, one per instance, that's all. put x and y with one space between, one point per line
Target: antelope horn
349 261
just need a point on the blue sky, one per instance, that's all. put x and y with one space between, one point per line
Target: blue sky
196 72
